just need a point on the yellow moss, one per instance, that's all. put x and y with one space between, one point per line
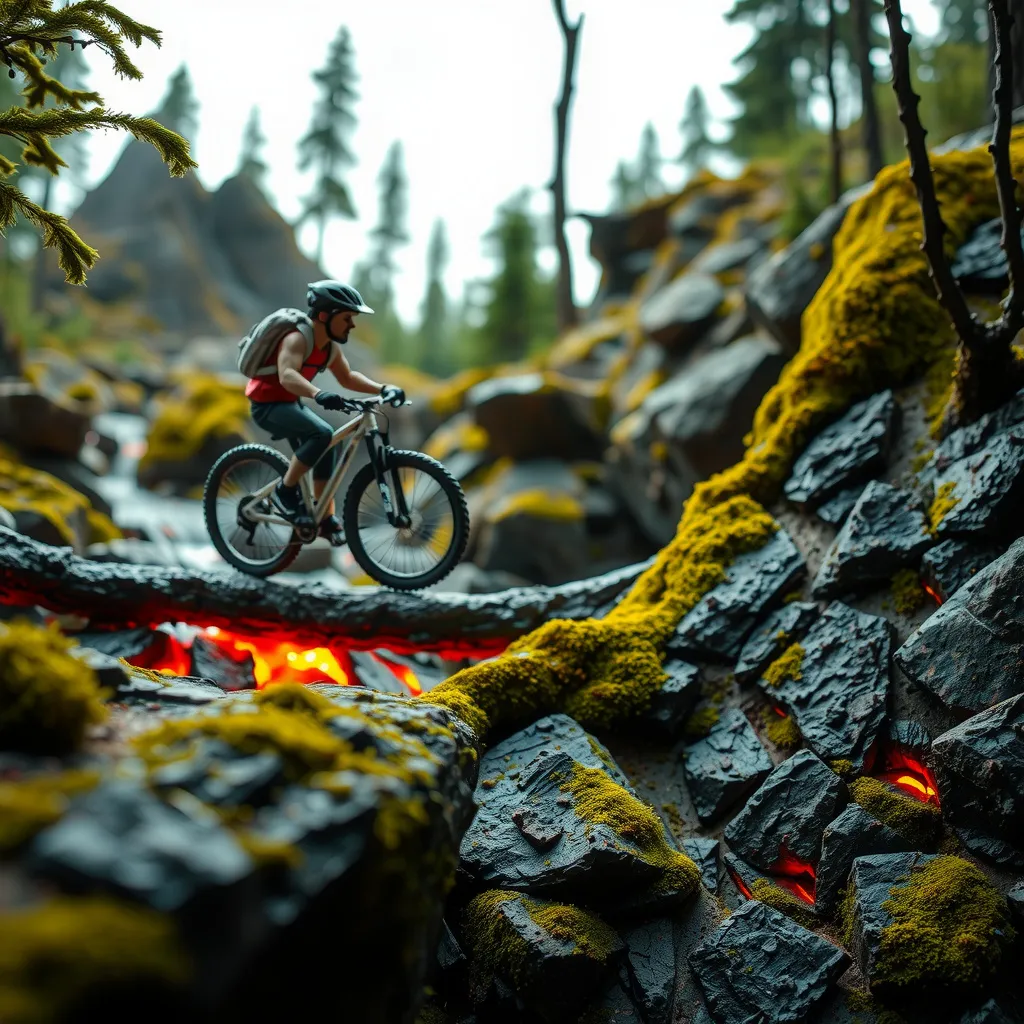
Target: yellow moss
786 666
458 435
785 902
398 820
267 852
907 593
917 821
938 386
538 503
782 730
942 504
701 722
949 929
296 697
55 954
27 806
634 398
102 529
48 697
446 397
577 344
432 1015
589 934
842 767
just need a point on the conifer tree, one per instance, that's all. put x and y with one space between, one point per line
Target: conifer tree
624 189
434 356
179 109
324 147
251 164
390 232
648 166
33 33
962 21
697 144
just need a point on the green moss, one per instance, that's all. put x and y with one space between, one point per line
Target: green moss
941 505
917 821
785 902
55 954
782 730
588 933
842 767
786 666
701 722
48 697
907 593
432 1015
950 928
27 806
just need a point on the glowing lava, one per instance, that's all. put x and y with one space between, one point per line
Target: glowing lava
908 774
932 593
795 875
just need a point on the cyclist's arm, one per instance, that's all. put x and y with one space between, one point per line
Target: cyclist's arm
289 366
349 378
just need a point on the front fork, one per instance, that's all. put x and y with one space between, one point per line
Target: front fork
388 483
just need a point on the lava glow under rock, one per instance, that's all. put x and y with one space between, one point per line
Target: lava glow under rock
898 767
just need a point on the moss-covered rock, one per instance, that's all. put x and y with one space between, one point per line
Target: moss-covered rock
29 805
919 822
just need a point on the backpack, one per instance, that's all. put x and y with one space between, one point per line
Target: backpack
257 346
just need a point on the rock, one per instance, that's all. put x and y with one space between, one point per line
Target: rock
121 836
850 451
1015 898
679 314
210 661
887 530
216 773
719 624
980 263
970 652
726 256
781 288
141 688
724 766
672 704
110 672
760 965
787 625
651 966
372 674
704 853
854 833
835 510
787 816
839 699
7 519
76 476
532 416
989 1013
979 768
949 565
34 424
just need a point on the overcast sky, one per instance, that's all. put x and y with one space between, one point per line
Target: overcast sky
468 86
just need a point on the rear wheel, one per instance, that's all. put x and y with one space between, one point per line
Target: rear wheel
407 558
256 548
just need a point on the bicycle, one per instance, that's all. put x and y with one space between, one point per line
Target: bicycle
385 513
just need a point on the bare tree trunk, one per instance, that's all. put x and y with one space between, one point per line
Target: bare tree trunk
987 372
869 107
566 307
835 142
39 261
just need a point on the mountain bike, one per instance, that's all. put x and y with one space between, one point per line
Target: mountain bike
404 515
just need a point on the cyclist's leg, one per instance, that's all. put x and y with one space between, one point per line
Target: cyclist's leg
280 421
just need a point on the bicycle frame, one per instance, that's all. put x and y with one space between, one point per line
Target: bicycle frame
362 427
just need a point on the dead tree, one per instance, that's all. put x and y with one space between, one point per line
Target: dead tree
566 307
869 107
987 373
835 142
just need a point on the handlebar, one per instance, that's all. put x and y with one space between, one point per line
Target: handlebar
368 404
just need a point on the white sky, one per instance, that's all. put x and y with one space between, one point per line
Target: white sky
468 86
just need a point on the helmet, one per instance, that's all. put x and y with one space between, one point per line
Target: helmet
327 296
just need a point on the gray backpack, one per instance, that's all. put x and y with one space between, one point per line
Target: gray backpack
259 344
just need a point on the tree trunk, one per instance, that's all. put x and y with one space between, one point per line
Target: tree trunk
565 305
835 143
869 106
1016 9
36 284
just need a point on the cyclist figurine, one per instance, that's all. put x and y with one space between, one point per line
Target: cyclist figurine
276 400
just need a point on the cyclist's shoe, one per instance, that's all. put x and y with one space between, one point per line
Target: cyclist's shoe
288 502
332 529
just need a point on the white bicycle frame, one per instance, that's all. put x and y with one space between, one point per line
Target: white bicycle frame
351 433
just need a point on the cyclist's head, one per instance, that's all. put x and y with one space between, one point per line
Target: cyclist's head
335 305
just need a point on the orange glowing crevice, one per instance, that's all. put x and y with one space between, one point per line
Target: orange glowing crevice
907 773
932 593
740 884
916 785
795 874
403 673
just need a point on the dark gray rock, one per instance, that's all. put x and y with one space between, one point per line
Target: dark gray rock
110 671
209 661
122 837
139 688
850 451
855 833
672 704
373 675
719 624
786 626
761 966
970 652
651 965
887 530
217 773
839 701
1015 898
872 878
728 256
704 853
724 766
979 768
679 314
990 1013
126 643
741 874
980 263
835 510
988 487
788 814
949 565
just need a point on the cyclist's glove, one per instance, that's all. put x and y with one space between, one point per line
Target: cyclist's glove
392 395
329 400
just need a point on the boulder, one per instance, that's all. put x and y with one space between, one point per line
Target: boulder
949 565
679 314
672 704
786 626
727 256
37 425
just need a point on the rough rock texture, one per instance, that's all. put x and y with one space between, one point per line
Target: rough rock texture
760 965
849 452
230 673
970 652
855 833
679 314
704 853
786 626
788 814
724 766
885 531
839 701
980 263
949 565
35 425
672 704
651 965
979 767
719 624
835 510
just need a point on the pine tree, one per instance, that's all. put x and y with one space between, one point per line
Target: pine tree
648 168
325 147
962 21
38 32
251 164
624 188
179 109
697 144
434 356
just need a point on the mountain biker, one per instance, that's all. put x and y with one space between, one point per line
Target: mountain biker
276 400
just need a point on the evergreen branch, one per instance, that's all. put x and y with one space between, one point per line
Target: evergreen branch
39 85
73 255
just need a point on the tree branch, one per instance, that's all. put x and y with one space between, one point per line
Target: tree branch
835 142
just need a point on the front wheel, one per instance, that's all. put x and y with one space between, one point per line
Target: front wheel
407 558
